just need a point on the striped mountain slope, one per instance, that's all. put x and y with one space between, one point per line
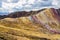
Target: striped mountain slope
24 28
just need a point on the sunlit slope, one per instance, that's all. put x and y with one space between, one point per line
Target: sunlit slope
24 29
50 18
13 33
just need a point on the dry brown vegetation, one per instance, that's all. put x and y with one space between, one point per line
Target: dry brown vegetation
24 29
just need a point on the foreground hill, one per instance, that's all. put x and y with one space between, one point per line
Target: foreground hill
24 28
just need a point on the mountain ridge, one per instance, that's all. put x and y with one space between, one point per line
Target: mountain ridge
28 29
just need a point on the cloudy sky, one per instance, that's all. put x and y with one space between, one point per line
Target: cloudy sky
7 6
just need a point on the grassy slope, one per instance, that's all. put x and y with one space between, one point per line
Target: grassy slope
23 29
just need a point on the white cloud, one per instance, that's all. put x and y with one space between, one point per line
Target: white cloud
55 2
30 3
10 5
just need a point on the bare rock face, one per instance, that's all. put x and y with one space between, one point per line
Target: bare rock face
56 13
44 25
